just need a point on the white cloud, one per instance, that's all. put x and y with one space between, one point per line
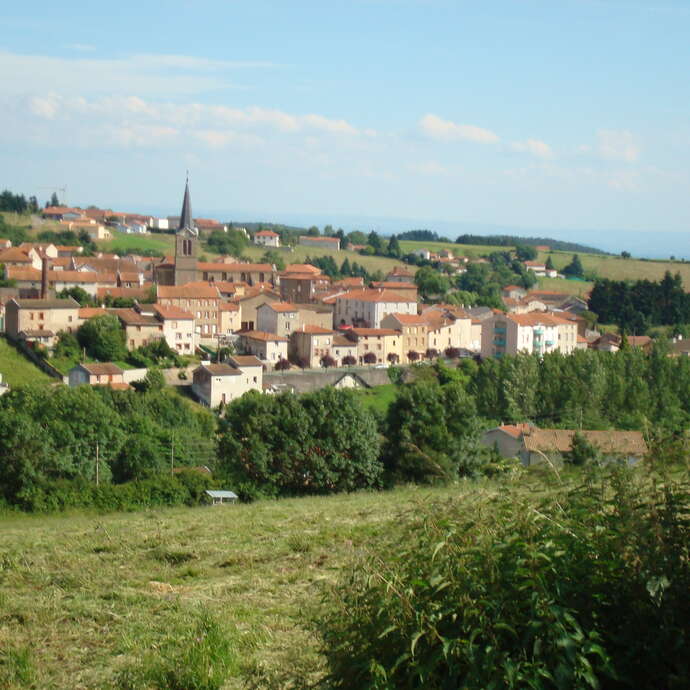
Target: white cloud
143 75
428 168
617 145
446 130
535 147
82 47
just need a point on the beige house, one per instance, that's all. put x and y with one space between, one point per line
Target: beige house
268 347
18 257
178 328
232 271
302 283
535 446
309 344
385 343
367 308
40 320
202 301
97 374
250 301
281 318
216 384
140 329
229 318
321 242
414 331
343 347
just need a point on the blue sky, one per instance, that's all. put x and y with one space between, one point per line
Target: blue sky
553 116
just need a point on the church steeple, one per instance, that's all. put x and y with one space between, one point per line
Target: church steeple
186 222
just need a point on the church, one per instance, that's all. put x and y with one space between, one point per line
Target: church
186 268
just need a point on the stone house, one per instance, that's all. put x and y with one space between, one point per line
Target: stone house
40 320
97 374
268 347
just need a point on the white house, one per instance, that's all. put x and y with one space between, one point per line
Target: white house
267 238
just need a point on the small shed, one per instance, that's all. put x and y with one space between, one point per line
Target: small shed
221 497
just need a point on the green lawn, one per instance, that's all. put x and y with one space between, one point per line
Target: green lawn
87 599
122 243
471 250
571 287
16 369
378 398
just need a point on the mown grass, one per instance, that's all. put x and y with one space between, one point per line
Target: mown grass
457 249
122 243
378 398
16 369
129 600
570 287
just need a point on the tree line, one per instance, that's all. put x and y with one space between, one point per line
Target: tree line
328 441
637 306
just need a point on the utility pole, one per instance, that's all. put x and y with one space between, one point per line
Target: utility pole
97 463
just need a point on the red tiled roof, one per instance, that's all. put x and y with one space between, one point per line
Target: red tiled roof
370 332
394 285
266 233
280 307
314 330
302 268
90 312
246 361
262 335
189 291
610 442
172 312
15 255
235 267
515 430
411 319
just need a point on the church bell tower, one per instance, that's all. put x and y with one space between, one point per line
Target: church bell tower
186 243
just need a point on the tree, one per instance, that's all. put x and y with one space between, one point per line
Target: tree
430 282
328 361
525 252
54 201
412 356
393 358
374 241
394 249
103 338
369 358
313 231
574 269
626 255
581 450
349 361
431 353
452 352
282 365
78 294
273 257
357 237
153 381
549 264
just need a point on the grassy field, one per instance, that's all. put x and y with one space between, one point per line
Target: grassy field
378 398
458 249
17 370
122 243
94 601
571 287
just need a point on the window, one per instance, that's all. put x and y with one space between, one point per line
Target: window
41 316
69 319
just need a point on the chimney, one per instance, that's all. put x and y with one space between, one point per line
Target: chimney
44 277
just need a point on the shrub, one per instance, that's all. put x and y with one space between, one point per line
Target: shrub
369 358
349 361
585 589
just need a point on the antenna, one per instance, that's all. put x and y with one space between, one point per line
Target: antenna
57 189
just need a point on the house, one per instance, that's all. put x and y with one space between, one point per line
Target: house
302 286
89 281
321 242
414 329
535 446
514 292
367 308
310 344
16 257
408 290
343 347
400 274
97 374
178 328
40 320
281 318
252 274
267 238
202 301
248 303
385 343
229 318
5 243
268 347
536 332
538 267
62 213
140 328
422 254
216 384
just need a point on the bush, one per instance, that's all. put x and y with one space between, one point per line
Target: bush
586 589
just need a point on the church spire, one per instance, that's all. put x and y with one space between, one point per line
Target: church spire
186 222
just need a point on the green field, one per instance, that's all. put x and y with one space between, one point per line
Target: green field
87 600
122 243
17 370
571 287
378 398
471 250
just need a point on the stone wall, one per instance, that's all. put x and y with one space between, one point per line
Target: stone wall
313 379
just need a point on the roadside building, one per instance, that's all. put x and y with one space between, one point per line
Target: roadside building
310 344
414 330
385 343
268 347
97 374
281 318
267 238
40 320
367 308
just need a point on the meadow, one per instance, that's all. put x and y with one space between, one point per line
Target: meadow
17 370
99 601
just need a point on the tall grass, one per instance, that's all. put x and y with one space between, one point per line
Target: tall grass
583 588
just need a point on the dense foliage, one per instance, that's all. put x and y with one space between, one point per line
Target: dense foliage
586 588
287 445
513 240
233 242
17 203
53 434
636 306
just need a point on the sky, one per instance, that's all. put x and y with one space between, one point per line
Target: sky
569 118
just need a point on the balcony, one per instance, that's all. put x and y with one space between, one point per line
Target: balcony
499 329
500 341
549 343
